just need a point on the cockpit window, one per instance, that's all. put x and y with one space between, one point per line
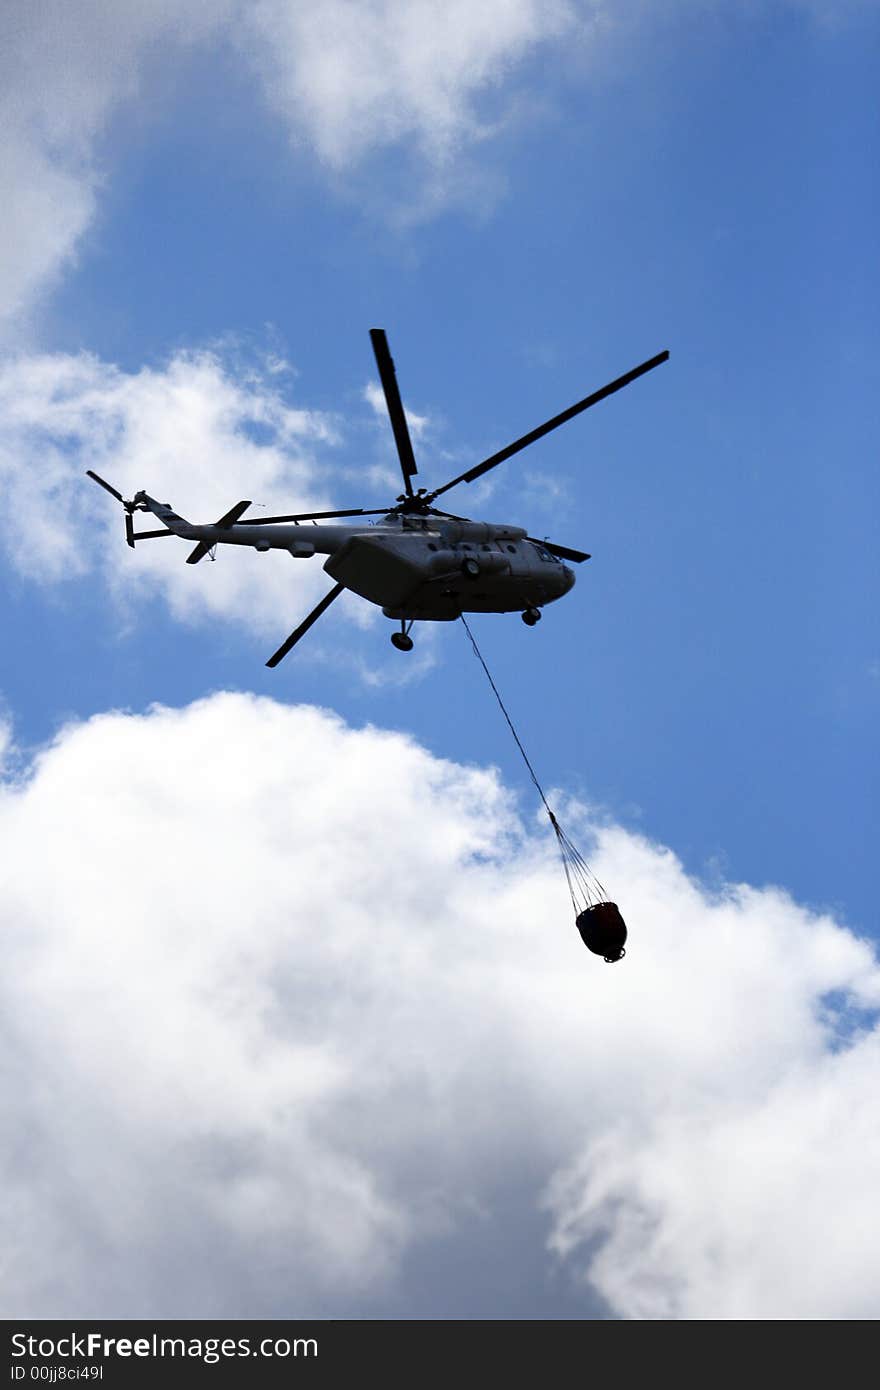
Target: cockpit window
544 554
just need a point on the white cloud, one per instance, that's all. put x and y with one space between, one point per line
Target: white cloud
5 737
48 207
745 1210
292 1009
352 75
346 77
192 433
65 66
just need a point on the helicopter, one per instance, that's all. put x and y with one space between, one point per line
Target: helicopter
418 563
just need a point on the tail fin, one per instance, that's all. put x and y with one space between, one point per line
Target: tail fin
161 510
175 525
137 504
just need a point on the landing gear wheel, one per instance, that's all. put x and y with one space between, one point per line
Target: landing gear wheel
531 616
470 568
401 642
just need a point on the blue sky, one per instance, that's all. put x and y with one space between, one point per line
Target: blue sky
595 192
713 677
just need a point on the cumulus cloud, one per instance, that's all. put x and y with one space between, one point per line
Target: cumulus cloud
347 78
295 1011
65 66
199 432
350 75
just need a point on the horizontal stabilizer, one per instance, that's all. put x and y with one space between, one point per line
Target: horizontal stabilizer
228 519
199 552
233 514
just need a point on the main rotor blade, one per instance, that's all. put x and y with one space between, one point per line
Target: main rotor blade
312 516
562 551
106 486
305 625
385 363
549 425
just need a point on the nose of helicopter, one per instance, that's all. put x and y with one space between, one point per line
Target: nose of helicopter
567 579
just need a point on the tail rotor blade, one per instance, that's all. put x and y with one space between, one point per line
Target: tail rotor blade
387 376
129 506
106 486
305 625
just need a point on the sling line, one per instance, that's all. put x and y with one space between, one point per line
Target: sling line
583 886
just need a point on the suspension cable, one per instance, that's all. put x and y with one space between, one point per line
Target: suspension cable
583 886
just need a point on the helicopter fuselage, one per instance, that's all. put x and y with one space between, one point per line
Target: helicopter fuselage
428 568
416 563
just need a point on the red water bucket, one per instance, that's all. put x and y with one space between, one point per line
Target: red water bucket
603 931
